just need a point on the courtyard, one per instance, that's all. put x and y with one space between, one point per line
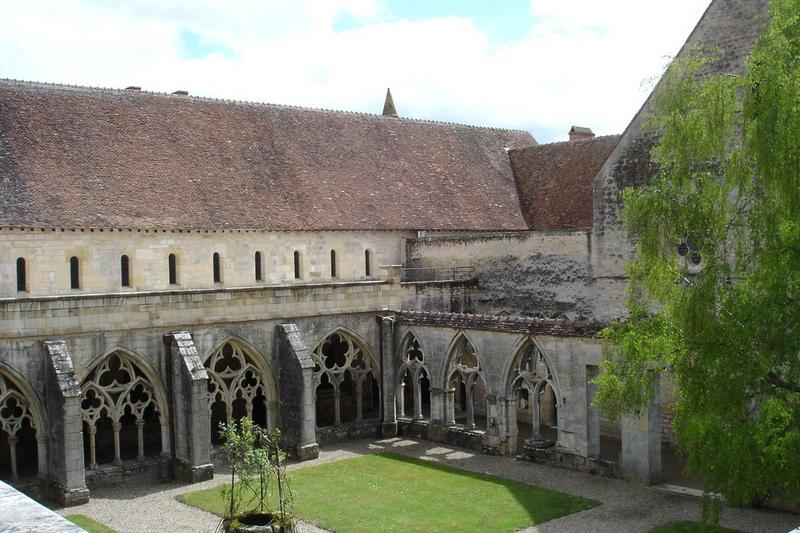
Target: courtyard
620 506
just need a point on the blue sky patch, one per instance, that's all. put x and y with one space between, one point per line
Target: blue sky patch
195 46
502 22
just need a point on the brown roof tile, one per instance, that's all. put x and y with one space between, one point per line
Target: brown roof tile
85 157
554 181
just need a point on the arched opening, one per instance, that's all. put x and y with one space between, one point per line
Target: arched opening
74 273
535 398
346 387
325 402
124 271
121 413
259 267
217 267
425 393
370 397
414 395
22 275
479 405
237 387
548 413
368 263
19 443
466 389
298 274
172 261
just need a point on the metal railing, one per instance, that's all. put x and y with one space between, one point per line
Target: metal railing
464 273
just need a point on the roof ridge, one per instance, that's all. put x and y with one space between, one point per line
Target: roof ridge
576 141
256 103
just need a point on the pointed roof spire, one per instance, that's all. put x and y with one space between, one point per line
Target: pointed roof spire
388 106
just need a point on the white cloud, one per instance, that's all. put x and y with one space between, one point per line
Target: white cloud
582 63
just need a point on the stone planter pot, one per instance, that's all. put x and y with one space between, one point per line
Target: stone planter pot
255 523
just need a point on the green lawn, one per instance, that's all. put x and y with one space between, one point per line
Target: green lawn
691 527
89 524
389 492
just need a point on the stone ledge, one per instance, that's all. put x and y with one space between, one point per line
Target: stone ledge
149 294
18 512
571 461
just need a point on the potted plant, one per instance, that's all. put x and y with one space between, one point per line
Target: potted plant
258 477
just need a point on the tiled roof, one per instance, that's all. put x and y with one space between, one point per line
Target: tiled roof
89 157
554 181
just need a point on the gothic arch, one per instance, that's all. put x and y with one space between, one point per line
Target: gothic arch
346 379
414 377
513 360
464 383
239 384
533 393
124 409
22 428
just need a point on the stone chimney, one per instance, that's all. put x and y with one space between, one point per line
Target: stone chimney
388 106
577 133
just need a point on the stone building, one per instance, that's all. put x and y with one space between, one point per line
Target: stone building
169 262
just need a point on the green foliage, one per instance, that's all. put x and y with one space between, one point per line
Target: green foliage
727 330
389 492
256 459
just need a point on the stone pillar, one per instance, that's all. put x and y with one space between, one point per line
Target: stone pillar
12 447
592 414
640 458
190 414
389 379
512 432
470 422
66 480
92 447
417 400
437 406
296 386
401 404
41 453
117 458
140 438
449 405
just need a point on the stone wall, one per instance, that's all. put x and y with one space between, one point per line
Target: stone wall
535 273
47 253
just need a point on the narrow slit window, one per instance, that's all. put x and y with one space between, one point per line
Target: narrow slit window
367 265
217 271
333 263
74 273
124 271
22 278
296 264
259 274
173 269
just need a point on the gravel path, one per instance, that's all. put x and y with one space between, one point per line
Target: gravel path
151 506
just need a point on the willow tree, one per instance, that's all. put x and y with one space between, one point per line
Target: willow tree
714 295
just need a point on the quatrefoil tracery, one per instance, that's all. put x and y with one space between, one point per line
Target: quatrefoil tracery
116 388
15 410
232 375
338 358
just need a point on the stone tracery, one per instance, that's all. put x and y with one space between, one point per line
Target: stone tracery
414 387
533 387
120 411
465 386
236 388
346 387
17 431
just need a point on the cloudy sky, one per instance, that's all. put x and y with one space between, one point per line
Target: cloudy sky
538 65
